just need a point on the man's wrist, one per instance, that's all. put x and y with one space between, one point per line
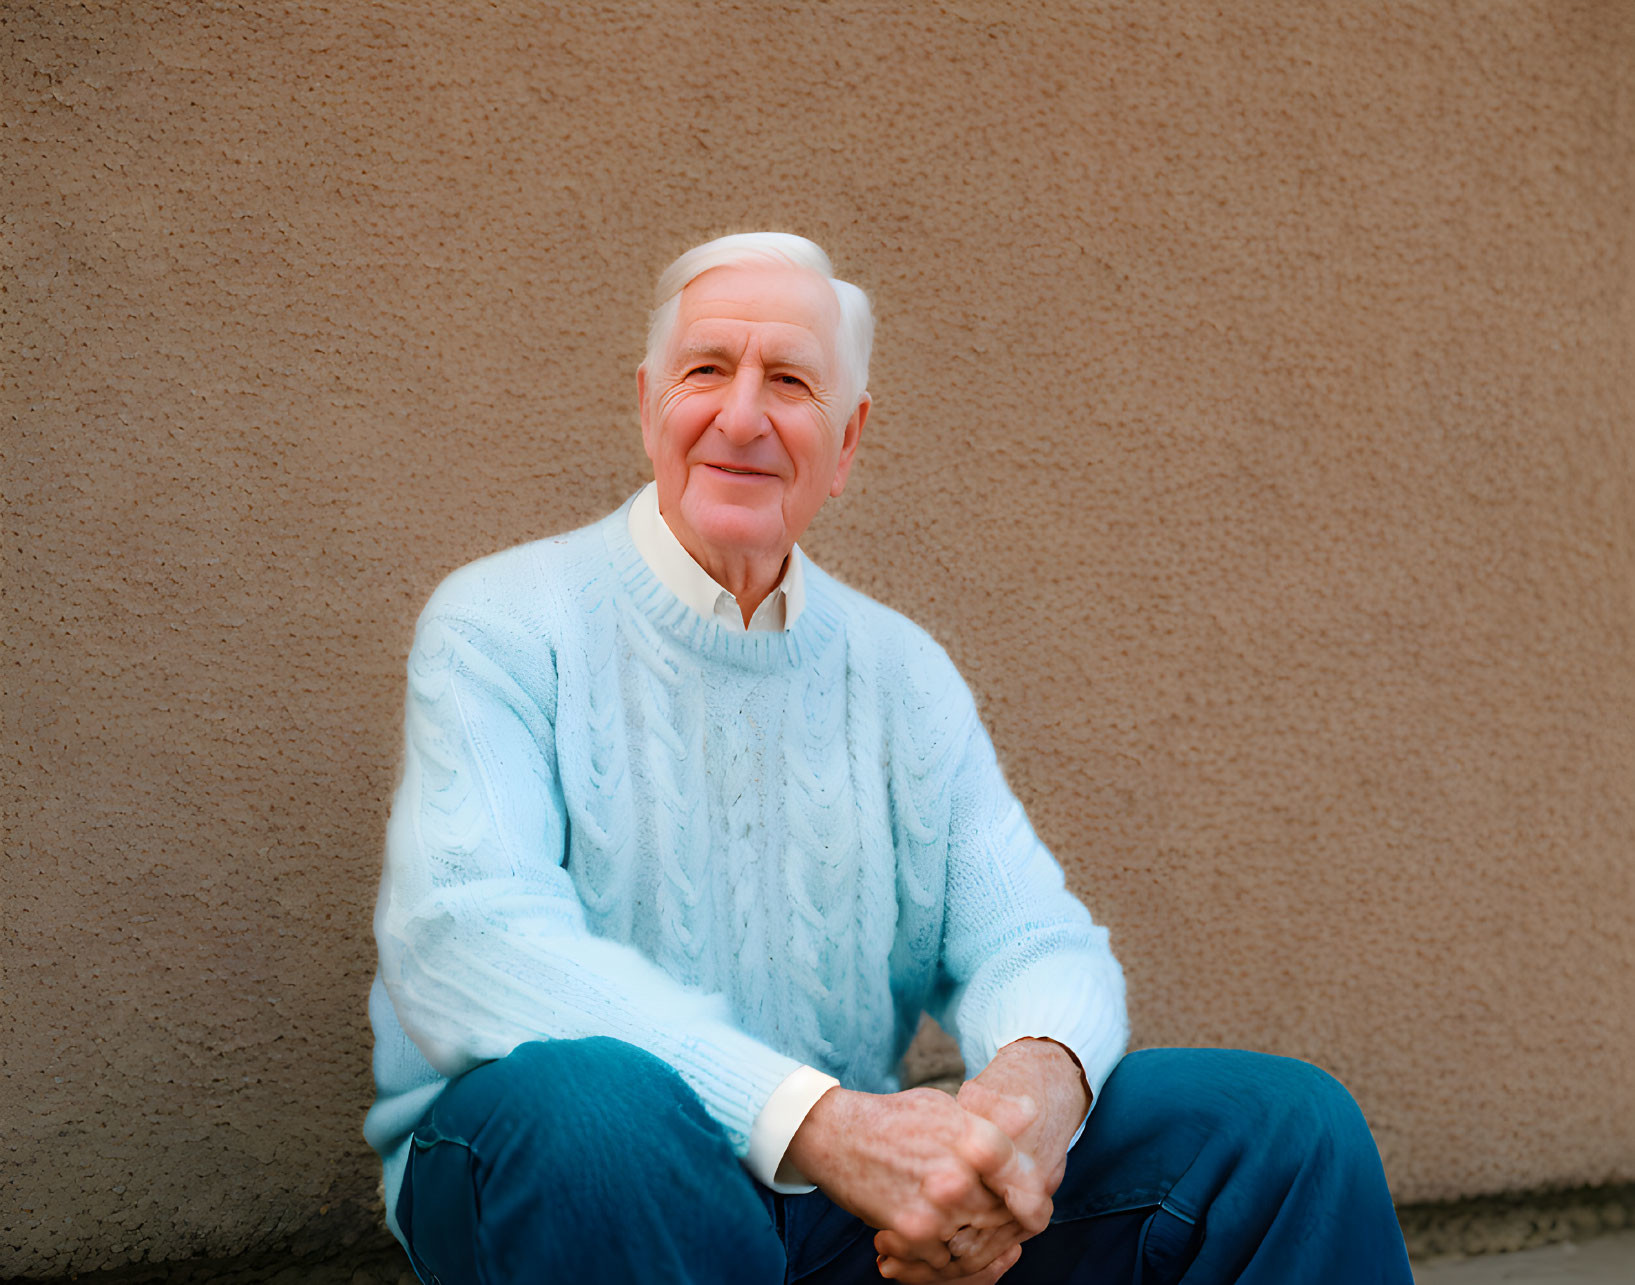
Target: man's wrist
776 1125
1072 1070
1045 1070
814 1143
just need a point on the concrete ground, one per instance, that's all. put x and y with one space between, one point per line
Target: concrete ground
1600 1260
1607 1259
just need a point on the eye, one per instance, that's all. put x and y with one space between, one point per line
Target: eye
791 381
706 368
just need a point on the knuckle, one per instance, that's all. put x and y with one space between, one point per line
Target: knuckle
953 1188
917 1226
996 1142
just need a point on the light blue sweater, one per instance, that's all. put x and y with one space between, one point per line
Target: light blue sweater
740 851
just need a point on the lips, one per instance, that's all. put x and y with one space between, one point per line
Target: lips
737 471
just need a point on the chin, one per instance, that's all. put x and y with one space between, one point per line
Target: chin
737 526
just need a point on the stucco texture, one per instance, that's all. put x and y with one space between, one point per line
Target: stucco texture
1253 423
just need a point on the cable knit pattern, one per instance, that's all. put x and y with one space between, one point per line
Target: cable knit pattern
742 852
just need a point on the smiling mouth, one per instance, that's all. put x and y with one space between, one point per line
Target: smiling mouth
739 472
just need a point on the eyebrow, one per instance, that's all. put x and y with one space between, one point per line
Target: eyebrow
703 349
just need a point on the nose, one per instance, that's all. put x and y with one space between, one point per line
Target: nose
742 416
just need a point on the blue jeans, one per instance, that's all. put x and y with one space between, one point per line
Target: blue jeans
591 1162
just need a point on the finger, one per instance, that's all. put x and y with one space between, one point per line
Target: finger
1029 1205
1000 1162
927 1225
1025 1196
983 1247
893 1244
954 1195
999 1267
984 1243
955 1188
985 1146
1012 1114
1017 1180
997 1215
915 1273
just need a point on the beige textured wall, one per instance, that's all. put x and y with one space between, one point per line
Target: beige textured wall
1254 416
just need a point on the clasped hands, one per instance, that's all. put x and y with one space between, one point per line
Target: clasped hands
953 1185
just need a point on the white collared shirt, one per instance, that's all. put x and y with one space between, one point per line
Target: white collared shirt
668 559
677 571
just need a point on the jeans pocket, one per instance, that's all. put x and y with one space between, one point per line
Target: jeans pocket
1169 1243
437 1209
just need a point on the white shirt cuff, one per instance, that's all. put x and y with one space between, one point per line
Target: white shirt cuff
776 1125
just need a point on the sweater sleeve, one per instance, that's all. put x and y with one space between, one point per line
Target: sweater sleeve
484 943
1021 955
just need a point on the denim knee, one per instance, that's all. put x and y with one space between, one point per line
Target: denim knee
1303 1119
1279 1110
591 1155
593 1099
1303 1100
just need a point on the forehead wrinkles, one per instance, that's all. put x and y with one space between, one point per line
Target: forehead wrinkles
790 310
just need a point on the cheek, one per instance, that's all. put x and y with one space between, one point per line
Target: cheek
819 451
684 422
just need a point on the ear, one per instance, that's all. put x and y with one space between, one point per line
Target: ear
850 436
641 404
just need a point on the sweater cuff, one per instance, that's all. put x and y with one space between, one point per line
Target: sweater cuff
1089 1024
1094 1068
776 1125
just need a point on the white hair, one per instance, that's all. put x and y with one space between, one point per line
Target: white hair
854 337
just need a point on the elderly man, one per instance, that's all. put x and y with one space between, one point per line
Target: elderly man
690 834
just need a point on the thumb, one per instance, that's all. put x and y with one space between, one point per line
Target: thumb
1011 1113
1022 1187
1007 1171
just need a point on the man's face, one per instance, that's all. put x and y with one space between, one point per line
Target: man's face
744 422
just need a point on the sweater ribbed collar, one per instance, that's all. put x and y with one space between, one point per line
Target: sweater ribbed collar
683 576
817 626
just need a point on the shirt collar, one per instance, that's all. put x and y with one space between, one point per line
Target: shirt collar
668 559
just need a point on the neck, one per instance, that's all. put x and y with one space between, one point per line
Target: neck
750 570
748 576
